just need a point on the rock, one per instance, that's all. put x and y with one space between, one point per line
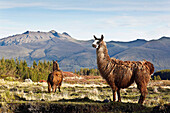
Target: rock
155 90
123 90
30 92
28 80
134 90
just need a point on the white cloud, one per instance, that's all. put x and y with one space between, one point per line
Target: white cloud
158 32
128 28
88 5
13 4
124 20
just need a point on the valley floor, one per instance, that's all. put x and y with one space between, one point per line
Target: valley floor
80 93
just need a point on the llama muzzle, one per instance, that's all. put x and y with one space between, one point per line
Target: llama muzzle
94 45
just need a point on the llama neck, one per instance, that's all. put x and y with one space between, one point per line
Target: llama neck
56 67
103 60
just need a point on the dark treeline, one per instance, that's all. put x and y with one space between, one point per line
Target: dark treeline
87 71
19 69
164 74
14 68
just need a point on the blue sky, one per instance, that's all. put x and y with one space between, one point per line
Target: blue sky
119 20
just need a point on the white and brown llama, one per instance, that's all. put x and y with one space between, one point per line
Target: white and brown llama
121 74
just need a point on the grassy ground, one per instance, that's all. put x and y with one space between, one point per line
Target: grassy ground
75 107
93 92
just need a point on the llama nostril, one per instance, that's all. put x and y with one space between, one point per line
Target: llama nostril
93 45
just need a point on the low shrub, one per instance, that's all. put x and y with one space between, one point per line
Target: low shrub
10 78
7 96
3 76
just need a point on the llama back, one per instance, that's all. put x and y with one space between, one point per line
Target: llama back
150 65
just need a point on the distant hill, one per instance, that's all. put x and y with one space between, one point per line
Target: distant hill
75 54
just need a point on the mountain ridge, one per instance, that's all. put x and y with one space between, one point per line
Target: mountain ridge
32 36
75 54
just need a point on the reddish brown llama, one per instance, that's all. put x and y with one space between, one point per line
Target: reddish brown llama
55 78
121 74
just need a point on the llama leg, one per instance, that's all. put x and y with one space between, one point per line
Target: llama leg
142 86
114 96
118 93
49 87
54 88
59 88
144 92
142 78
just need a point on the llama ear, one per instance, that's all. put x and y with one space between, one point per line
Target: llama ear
95 37
102 37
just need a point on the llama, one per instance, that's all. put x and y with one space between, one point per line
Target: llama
55 78
121 74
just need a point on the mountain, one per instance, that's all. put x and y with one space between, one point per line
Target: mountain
70 53
32 37
75 54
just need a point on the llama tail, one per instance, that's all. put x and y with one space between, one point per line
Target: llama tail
150 65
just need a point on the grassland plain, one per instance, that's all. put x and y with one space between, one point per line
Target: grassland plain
81 94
